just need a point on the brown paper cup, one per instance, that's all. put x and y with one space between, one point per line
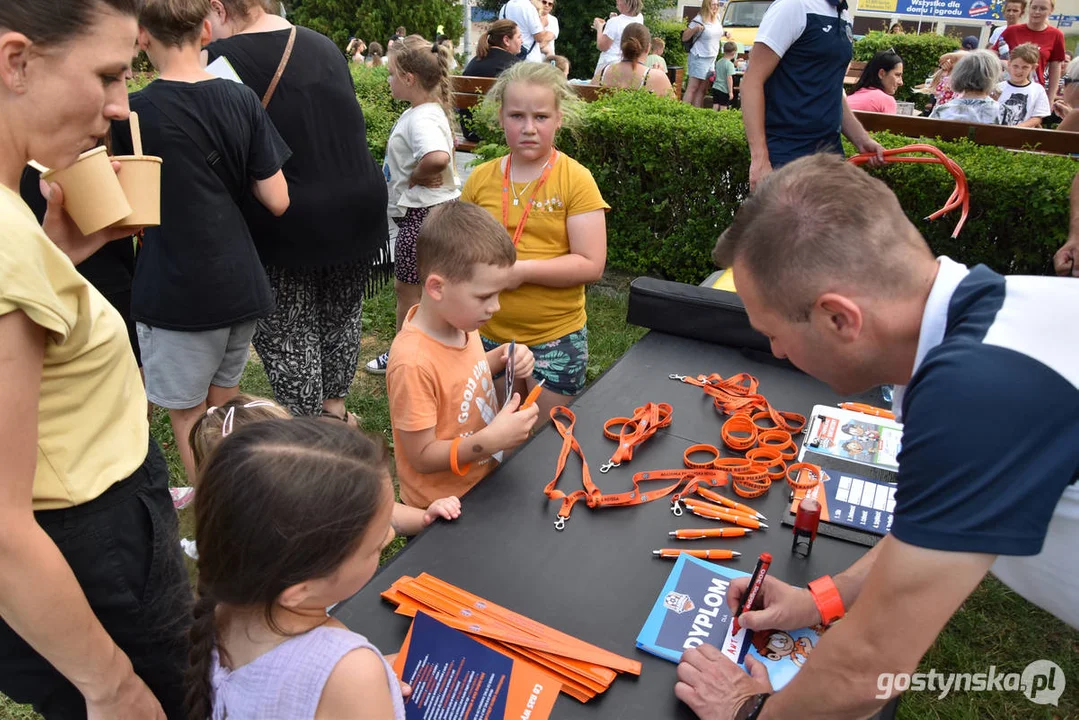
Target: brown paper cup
92 193
140 178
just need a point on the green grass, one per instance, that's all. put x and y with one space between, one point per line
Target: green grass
994 627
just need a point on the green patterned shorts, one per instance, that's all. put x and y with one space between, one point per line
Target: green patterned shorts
562 362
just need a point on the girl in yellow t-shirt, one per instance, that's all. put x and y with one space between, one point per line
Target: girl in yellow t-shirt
553 210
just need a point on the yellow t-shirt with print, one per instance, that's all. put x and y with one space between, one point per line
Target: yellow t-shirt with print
92 429
534 314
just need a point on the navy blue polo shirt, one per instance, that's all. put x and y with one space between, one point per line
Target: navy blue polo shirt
991 430
803 98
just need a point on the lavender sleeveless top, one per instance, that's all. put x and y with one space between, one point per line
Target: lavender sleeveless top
286 683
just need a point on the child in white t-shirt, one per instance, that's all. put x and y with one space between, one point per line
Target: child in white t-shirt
1023 102
419 165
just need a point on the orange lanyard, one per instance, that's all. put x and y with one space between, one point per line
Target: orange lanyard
528 205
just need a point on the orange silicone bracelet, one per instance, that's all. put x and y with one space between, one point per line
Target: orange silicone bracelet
771 458
780 440
813 471
739 424
701 448
457 470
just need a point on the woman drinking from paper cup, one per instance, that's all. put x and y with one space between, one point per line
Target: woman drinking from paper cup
94 601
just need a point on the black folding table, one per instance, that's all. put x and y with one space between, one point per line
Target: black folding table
597 579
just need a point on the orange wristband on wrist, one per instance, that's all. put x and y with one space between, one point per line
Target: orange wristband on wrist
457 470
829 602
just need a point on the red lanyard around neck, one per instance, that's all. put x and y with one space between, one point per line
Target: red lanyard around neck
528 205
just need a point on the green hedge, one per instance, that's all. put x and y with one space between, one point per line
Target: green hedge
920 53
380 110
674 177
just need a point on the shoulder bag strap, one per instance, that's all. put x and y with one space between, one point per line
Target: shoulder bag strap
201 140
280 68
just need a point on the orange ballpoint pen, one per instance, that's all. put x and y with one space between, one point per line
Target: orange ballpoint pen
709 533
712 507
740 520
533 395
702 554
868 410
727 502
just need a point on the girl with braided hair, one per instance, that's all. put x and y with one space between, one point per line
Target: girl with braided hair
291 518
419 158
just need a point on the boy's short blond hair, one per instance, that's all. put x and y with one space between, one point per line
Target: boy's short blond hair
456 236
658 45
1027 52
730 47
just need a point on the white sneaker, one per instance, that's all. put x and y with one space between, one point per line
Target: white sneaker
181 496
189 548
378 365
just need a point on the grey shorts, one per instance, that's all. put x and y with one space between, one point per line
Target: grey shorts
181 366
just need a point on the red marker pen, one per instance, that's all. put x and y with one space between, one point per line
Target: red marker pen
755 582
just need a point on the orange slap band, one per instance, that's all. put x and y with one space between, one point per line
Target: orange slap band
457 470
751 482
701 448
829 602
739 424
797 471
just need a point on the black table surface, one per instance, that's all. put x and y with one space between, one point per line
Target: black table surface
597 579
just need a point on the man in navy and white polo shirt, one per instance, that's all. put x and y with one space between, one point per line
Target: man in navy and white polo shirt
793 102
852 295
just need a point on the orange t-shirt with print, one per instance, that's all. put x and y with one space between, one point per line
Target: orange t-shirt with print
450 389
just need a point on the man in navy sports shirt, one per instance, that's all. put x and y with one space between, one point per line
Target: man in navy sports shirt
793 102
844 286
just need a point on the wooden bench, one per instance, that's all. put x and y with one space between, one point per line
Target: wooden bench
468 92
854 72
1013 138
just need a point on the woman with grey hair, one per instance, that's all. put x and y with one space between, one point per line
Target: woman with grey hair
973 78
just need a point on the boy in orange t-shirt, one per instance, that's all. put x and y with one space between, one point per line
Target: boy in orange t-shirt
443 406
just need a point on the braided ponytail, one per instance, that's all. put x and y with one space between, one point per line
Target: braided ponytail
430 63
203 635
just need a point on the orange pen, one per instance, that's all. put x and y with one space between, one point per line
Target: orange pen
740 520
533 395
868 410
702 554
709 533
710 507
727 502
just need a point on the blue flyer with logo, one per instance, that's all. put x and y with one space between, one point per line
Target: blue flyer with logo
692 610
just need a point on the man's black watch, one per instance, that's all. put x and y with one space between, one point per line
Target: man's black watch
751 708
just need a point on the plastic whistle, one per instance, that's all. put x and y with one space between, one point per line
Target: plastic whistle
701 554
533 395
727 502
740 520
868 410
709 533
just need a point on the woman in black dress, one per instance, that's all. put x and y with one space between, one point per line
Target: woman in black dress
333 243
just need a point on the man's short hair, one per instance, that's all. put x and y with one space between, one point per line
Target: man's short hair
821 224
1022 3
456 236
